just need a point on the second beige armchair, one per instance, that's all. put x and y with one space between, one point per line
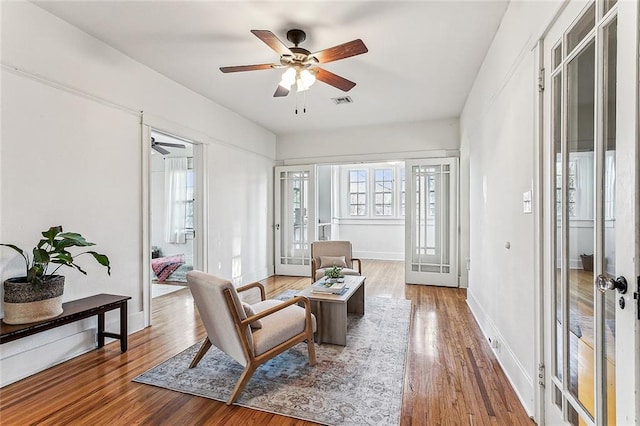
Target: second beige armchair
326 254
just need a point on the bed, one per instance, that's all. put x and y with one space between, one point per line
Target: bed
170 268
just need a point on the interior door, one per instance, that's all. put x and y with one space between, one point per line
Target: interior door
591 217
431 222
295 219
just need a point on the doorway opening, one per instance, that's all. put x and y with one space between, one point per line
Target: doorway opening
363 203
366 204
172 224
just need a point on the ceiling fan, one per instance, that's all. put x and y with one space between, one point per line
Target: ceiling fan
301 65
158 146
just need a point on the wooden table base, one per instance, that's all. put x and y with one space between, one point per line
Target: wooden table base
331 313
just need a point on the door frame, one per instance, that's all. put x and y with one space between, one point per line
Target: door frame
628 75
200 246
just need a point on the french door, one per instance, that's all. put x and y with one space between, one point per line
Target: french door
431 222
294 214
591 172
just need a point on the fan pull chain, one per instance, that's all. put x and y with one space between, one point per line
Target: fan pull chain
304 102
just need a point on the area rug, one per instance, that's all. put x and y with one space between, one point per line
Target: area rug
357 384
286 295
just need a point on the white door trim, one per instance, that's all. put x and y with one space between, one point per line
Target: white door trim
200 242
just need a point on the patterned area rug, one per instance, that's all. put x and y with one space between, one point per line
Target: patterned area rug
358 384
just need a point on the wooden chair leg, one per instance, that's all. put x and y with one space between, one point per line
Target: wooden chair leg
311 346
206 345
242 381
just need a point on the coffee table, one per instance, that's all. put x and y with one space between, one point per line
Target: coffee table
331 310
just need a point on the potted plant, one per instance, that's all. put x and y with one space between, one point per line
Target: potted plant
334 273
37 295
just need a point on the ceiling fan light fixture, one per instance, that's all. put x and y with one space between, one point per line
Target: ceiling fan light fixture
300 86
288 78
300 63
307 77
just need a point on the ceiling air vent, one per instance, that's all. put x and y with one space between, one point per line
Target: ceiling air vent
342 100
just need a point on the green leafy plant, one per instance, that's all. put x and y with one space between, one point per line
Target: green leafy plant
53 249
334 272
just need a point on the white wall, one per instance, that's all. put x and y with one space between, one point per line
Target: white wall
71 154
498 147
374 239
370 143
325 199
240 216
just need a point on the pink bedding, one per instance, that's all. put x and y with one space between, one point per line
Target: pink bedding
164 266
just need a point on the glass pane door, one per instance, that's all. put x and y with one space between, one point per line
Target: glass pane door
431 222
294 213
582 51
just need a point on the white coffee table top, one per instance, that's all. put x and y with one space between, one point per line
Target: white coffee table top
352 282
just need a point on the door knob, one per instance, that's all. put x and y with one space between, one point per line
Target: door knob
605 283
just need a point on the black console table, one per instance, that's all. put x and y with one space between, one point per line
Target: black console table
74 311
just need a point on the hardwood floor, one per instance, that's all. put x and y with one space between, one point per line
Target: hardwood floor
451 376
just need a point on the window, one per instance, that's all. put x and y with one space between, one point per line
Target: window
190 196
357 192
383 192
374 191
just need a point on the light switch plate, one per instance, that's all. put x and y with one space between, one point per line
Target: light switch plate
526 202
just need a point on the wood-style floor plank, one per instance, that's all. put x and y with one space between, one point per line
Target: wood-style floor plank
451 378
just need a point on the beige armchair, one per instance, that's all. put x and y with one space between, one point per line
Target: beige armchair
250 334
326 254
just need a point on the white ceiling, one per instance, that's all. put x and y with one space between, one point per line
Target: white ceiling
422 60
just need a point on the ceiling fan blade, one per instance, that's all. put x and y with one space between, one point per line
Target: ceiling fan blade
346 50
247 68
272 41
281 91
334 80
174 145
160 149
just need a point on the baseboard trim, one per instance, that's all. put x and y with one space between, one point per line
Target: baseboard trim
517 375
60 345
40 358
378 255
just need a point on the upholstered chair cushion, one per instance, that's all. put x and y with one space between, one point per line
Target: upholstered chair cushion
331 261
346 271
279 326
249 311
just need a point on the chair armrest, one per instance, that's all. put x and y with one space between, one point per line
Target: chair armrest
314 268
353 259
267 312
253 285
